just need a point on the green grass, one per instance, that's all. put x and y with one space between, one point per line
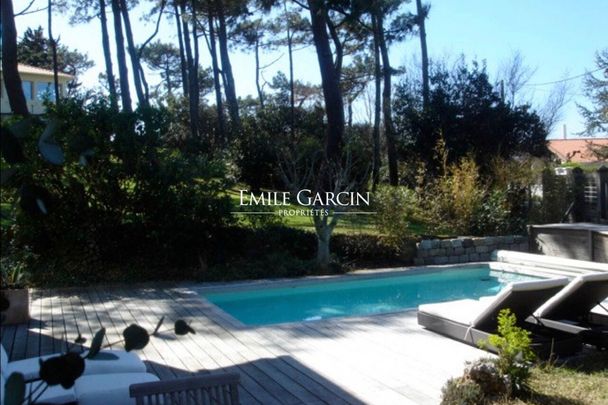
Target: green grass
348 224
580 382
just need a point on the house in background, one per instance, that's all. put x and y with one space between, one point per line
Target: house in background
38 85
581 150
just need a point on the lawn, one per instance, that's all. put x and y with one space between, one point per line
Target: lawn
579 382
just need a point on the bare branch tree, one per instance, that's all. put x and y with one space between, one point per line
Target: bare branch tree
513 76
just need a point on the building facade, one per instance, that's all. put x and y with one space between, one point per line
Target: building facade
38 86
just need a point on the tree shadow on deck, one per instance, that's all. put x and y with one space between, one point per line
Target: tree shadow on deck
272 381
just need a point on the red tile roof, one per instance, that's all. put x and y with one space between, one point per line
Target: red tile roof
576 150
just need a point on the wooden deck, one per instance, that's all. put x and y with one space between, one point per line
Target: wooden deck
384 359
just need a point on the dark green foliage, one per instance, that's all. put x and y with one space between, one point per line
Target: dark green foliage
263 135
121 189
136 337
64 369
468 113
460 391
493 216
366 250
15 389
182 328
11 148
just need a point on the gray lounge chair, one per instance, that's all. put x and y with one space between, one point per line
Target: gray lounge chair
220 389
578 309
471 321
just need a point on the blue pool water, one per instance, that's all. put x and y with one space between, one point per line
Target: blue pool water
337 298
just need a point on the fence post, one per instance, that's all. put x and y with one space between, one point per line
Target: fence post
603 193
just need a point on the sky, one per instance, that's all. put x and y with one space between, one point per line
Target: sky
558 40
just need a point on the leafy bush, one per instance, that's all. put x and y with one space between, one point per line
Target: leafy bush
453 198
396 208
373 250
121 198
462 391
492 216
515 354
15 267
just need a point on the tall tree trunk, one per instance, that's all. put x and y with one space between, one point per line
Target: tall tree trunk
330 80
182 57
190 67
10 71
257 73
292 92
187 47
121 57
105 41
377 160
54 52
135 65
221 135
229 86
424 54
193 80
389 131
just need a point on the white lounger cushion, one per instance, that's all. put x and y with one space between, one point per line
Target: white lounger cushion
99 389
104 389
461 311
469 312
570 289
126 363
55 394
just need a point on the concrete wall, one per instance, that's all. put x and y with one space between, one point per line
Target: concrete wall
466 249
579 241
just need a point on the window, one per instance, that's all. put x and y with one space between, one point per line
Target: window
44 91
27 86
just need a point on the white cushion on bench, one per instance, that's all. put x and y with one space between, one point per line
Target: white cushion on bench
103 389
125 363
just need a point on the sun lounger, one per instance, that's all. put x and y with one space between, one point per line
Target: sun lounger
125 362
472 321
578 309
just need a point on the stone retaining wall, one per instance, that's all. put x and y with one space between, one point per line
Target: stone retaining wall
466 249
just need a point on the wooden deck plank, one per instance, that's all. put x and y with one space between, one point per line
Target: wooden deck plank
305 387
272 369
256 381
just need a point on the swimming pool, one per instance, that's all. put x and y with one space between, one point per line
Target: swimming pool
359 296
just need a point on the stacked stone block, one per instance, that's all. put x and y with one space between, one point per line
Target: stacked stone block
466 249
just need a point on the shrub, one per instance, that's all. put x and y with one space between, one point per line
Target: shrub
462 391
515 354
375 250
492 216
121 198
453 198
396 208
